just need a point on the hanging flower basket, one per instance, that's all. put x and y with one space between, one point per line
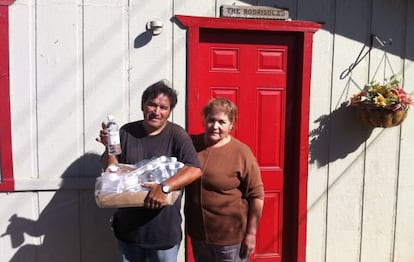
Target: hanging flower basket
377 117
382 105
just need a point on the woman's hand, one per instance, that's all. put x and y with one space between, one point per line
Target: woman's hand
247 246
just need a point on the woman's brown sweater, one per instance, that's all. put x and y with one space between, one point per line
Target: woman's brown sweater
216 205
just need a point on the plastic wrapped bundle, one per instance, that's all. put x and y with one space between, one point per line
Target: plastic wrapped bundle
121 185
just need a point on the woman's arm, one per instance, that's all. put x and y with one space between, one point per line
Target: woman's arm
254 215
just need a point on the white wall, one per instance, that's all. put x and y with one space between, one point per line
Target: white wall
75 61
358 201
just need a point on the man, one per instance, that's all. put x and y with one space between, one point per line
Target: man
153 233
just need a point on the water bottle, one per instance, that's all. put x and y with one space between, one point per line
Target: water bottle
114 143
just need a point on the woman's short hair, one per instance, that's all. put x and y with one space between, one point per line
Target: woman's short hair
160 87
221 104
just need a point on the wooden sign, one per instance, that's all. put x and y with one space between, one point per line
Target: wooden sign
261 12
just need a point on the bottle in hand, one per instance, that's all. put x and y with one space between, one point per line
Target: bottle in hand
114 142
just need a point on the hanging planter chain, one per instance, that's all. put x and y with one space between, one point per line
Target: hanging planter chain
362 55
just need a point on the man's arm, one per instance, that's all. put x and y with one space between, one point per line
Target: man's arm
107 160
103 138
183 177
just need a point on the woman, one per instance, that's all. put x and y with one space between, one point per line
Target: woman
224 206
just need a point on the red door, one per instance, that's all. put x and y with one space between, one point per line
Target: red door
252 68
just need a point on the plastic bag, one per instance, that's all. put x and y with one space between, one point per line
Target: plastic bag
120 184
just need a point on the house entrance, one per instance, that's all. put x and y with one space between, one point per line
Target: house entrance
262 72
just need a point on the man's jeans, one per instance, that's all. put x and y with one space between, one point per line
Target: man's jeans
131 253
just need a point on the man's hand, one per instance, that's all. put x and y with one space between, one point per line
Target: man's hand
155 198
103 135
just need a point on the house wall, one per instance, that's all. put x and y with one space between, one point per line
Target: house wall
72 62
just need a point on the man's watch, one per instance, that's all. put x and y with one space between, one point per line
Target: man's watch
165 188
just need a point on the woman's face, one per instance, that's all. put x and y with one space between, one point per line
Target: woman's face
218 127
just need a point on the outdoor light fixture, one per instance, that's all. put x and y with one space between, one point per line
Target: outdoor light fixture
156 26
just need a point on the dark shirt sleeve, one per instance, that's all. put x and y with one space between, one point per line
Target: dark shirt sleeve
184 148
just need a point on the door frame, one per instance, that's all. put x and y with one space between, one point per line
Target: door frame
6 158
295 239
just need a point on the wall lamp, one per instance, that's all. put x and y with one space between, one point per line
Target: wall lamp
155 26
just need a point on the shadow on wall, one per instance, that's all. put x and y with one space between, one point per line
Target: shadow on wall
71 227
343 121
142 39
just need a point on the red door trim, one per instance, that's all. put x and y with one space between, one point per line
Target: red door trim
7 181
304 147
193 25
248 24
6 2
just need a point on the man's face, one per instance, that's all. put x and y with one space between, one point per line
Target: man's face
156 113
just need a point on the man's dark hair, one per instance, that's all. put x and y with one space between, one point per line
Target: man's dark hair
160 87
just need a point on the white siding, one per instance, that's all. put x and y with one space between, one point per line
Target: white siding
345 180
75 61
105 55
404 229
22 34
320 95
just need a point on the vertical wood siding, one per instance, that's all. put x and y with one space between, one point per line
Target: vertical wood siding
74 61
404 229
